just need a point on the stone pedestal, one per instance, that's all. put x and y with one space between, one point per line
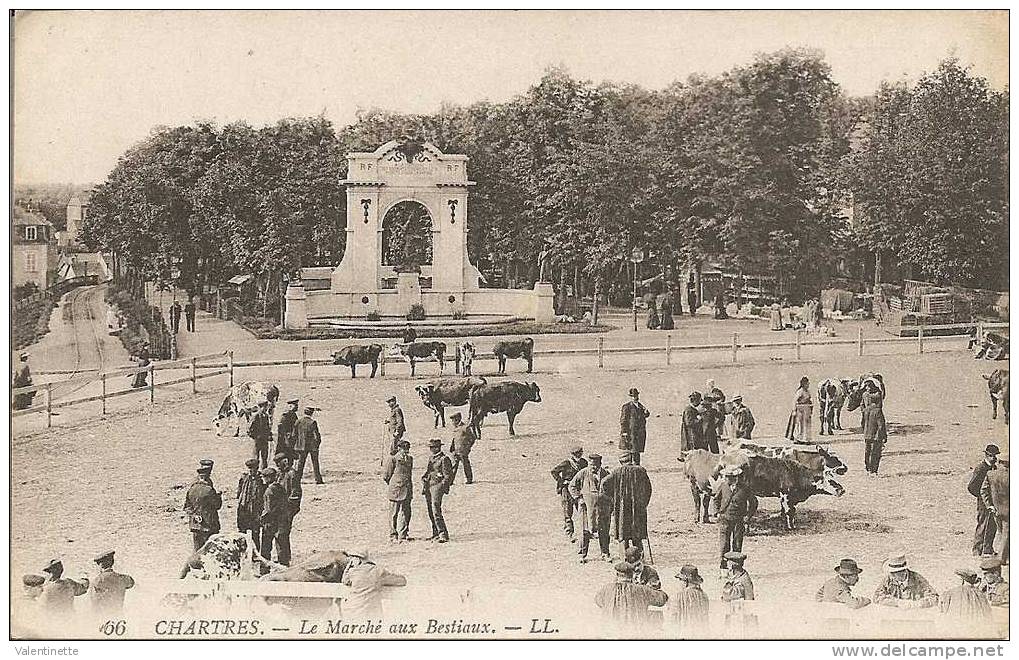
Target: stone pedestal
408 291
544 309
296 315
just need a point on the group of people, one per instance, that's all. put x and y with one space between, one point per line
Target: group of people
189 315
51 593
704 420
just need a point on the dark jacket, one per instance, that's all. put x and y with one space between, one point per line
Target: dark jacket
261 428
202 503
463 440
291 482
307 437
977 481
564 472
250 498
108 591
285 430
397 474
438 473
735 503
690 433
275 512
633 426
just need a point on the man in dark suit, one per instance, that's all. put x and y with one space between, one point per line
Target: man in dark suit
202 504
986 529
633 425
397 474
250 498
306 443
563 474
691 433
291 482
436 480
189 315
275 516
464 438
735 505
285 431
260 432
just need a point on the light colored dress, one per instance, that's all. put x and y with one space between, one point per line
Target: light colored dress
798 428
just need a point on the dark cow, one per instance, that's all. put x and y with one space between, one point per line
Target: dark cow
832 394
523 348
442 392
508 397
465 353
352 356
319 567
997 386
422 350
240 405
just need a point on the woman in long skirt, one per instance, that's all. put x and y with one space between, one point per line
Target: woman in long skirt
875 429
798 428
776 317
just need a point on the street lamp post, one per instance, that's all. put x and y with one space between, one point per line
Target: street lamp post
636 257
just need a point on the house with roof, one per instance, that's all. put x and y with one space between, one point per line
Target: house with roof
33 249
77 211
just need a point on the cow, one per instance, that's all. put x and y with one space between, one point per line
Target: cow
319 567
508 397
815 458
354 355
523 348
421 350
701 467
226 556
242 402
832 394
465 353
997 386
442 392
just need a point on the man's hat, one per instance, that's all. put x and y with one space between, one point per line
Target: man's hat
696 395
358 551
992 450
594 457
967 574
576 449
896 563
23 356
279 456
310 409
738 397
456 416
33 580
404 443
103 555
251 462
634 553
391 399
990 564
624 568
690 574
848 567
205 465
626 456
268 472
293 402
737 557
53 565
634 391
434 442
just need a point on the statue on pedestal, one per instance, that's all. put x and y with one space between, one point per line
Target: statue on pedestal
544 265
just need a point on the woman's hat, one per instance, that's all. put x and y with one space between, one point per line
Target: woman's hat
966 574
690 574
624 568
848 567
896 563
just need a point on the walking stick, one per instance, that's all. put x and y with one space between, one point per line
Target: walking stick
650 555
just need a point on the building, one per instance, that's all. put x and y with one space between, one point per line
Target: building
33 249
77 211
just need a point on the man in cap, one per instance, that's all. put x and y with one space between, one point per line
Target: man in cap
742 420
633 425
58 593
250 498
436 481
109 586
307 442
585 488
563 473
627 603
737 585
275 517
366 581
291 482
690 606
735 504
690 434
285 437
839 589
904 588
628 488
202 504
260 432
464 438
986 529
25 607
395 426
642 573
23 378
966 602
397 474
710 418
33 586
991 582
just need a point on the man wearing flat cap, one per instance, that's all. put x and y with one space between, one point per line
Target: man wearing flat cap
991 582
627 604
628 488
737 585
202 504
436 481
735 504
109 586
397 473
966 603
986 529
285 432
250 498
291 482
58 593
839 589
904 588
275 517
585 488
260 432
690 606
395 426
308 440
563 473
633 425
463 441
690 434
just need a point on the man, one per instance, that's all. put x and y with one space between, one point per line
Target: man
141 375
366 580
709 424
737 585
627 603
285 432
58 593
109 587
690 606
994 494
275 516
250 498
260 432
735 504
966 602
875 430
629 490
642 573
189 313
633 425
585 488
397 475
986 529
202 504
409 335
563 473
291 482
839 589
991 582
33 588
742 420
23 378
175 317
904 588
436 480
464 438
691 297
690 436
307 442
395 427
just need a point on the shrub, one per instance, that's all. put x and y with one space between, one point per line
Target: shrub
26 290
459 314
374 315
31 322
416 313
144 327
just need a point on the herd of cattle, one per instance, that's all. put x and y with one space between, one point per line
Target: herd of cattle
420 351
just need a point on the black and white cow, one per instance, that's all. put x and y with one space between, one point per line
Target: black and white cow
240 405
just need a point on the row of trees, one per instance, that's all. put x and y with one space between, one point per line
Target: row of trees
759 169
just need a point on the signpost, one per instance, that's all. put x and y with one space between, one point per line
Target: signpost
636 256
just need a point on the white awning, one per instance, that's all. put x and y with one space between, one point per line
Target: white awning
240 279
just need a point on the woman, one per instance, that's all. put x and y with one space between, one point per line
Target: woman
798 428
776 317
652 311
875 431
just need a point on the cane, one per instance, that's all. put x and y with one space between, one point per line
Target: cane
650 555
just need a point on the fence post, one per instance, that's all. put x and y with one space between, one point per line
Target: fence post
382 363
919 339
230 366
980 333
799 349
194 379
668 349
859 341
49 400
104 392
601 353
304 363
152 383
735 346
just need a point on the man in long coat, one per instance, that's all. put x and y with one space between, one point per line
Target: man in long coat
397 475
628 487
436 481
308 440
202 504
633 425
986 529
285 432
260 432
250 498
690 434
563 473
275 516
395 426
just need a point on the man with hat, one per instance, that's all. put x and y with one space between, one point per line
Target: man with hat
994 494
986 529
710 418
904 588
737 585
395 426
642 573
839 589
627 603
966 602
33 585
464 438
291 482
563 473
366 580
991 582
690 606
109 586
628 488
742 419
307 442
58 593
250 498
436 480
735 504
202 504
690 434
633 425
397 475
585 488
23 378
275 517
285 437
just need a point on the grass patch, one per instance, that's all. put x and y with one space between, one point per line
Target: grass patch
268 330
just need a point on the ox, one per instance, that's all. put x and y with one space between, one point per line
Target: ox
997 386
815 458
352 356
421 350
442 392
242 402
832 394
508 397
523 348
465 353
226 556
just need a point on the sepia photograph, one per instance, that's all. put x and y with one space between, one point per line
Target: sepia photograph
510 325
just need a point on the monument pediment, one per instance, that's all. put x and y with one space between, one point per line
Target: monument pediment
406 162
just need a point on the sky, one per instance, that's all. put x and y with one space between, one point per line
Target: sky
88 85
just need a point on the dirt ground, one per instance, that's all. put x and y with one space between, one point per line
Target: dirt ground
118 481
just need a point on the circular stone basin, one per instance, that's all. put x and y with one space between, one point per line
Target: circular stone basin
360 323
